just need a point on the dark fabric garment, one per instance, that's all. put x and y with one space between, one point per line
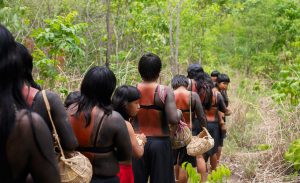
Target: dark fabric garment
196 126
180 156
214 130
103 179
157 162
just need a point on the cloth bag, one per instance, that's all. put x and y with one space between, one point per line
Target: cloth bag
74 167
182 136
180 133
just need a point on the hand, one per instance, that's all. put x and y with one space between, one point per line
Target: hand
142 138
228 112
224 128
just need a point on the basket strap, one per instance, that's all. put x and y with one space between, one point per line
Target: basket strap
190 104
206 131
56 138
100 124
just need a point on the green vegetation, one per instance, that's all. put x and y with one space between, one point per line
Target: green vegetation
221 174
257 42
293 154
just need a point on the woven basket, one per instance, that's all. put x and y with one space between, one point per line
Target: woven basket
182 136
200 144
76 169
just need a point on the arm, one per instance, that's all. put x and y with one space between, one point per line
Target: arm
121 139
42 161
137 150
225 96
199 110
170 107
221 105
62 123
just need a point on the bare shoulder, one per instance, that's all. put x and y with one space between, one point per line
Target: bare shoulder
115 120
52 96
115 116
195 95
26 120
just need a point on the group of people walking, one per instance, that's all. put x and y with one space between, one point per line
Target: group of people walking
123 131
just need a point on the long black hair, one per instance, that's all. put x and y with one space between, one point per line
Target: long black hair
10 91
11 100
96 88
122 96
28 65
204 84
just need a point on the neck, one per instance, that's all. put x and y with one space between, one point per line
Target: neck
181 88
149 82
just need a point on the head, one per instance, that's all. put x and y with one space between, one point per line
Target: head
72 98
149 67
214 75
178 81
28 65
193 70
126 101
222 81
96 88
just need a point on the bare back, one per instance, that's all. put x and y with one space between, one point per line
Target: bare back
30 150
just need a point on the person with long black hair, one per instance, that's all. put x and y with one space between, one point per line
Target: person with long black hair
101 132
34 99
26 146
126 101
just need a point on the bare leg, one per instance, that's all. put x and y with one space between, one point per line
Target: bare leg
201 167
176 172
213 161
219 154
182 177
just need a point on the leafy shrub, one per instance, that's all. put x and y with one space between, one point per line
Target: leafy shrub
222 173
288 85
293 154
59 41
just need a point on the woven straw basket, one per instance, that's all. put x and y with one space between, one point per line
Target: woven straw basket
76 169
200 143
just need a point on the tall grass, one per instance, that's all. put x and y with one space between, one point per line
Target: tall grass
260 131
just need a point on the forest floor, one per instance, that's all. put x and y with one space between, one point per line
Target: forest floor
247 164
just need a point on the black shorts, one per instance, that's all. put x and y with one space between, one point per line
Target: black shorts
214 130
196 127
105 179
180 156
157 162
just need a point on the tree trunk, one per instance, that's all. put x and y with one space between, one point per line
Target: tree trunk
108 49
171 39
177 36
